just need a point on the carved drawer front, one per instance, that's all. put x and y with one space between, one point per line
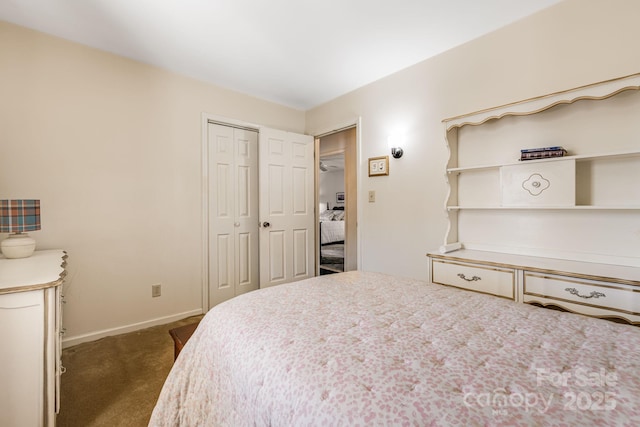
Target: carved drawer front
583 292
482 278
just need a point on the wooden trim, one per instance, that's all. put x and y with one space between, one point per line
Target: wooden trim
539 270
45 361
482 266
536 98
633 313
28 288
605 317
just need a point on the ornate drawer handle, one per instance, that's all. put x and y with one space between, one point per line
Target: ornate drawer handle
594 294
473 279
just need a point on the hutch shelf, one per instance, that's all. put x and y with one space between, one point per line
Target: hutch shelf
571 240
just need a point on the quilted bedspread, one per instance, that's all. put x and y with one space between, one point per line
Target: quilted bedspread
369 349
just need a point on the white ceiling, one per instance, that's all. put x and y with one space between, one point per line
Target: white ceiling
299 53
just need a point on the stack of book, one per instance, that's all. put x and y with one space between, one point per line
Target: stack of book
542 153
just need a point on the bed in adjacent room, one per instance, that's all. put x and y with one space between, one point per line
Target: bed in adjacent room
370 349
332 234
332 226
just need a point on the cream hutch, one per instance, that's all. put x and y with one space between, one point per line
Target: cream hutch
561 231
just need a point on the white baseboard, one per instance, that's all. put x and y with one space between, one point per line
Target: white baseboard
93 336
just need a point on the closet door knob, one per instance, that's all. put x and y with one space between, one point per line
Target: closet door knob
266 224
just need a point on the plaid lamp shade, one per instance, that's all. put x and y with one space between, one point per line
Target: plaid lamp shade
17 216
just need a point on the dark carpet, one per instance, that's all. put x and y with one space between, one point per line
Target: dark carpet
115 381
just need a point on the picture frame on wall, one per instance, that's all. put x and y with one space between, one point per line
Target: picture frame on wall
340 197
379 166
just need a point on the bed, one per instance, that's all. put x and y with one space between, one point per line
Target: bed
332 240
332 226
367 349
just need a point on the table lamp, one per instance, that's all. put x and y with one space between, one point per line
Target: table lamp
16 217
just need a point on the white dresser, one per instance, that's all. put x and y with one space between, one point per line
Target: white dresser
594 289
560 231
30 327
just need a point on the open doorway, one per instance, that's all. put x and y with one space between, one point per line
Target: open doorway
331 196
337 200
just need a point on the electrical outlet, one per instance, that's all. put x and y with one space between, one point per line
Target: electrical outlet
156 290
372 196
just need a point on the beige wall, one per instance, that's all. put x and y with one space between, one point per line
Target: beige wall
112 149
573 43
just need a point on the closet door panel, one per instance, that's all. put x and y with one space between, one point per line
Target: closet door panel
233 212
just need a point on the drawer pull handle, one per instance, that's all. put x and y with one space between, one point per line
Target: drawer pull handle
473 279
594 294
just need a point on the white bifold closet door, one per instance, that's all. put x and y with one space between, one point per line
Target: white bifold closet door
234 261
261 209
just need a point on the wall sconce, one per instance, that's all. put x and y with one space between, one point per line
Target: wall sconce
394 141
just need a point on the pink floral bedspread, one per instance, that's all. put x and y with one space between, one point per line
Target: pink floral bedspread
374 350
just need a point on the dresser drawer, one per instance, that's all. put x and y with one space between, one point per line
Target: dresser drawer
476 277
582 292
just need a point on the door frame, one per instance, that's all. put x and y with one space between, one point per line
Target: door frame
224 121
357 124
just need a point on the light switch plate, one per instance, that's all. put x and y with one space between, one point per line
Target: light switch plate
372 196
